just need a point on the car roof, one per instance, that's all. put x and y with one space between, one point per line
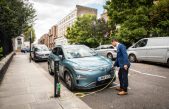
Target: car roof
106 45
39 45
69 46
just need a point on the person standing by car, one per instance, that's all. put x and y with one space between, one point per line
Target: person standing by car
124 64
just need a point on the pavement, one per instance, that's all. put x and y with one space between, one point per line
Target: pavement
148 89
25 86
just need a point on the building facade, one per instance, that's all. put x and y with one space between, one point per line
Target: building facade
71 18
18 43
52 36
57 32
44 40
49 38
104 15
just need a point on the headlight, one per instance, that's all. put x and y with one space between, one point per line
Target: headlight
81 77
38 54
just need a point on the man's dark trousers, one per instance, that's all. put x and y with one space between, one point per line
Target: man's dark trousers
123 78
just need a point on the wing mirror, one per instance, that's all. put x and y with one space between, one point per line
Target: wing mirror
61 57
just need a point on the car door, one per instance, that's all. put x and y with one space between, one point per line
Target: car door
140 49
98 49
112 50
156 51
102 50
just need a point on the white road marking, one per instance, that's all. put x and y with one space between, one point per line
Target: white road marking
148 74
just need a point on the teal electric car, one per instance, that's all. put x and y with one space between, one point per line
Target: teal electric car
81 67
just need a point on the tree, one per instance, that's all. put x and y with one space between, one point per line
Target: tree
27 34
132 16
89 31
159 18
15 16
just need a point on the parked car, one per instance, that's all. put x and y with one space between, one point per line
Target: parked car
107 50
40 52
80 67
23 50
154 49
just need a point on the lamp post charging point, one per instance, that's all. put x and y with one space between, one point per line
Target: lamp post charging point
57 85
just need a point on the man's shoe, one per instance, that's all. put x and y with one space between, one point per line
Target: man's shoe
122 93
119 89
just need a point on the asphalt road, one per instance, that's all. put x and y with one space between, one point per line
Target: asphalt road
148 89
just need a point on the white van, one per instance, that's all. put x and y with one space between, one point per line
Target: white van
154 49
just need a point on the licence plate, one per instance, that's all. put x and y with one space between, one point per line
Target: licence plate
101 78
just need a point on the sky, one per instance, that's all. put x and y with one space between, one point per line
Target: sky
50 12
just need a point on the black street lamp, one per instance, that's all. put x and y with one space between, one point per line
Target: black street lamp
30 50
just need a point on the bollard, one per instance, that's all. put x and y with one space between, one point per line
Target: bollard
57 85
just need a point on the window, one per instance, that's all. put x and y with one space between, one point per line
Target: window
110 47
54 51
104 47
141 43
57 51
60 52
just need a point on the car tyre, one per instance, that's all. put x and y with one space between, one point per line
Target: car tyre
132 58
50 69
110 56
69 81
168 63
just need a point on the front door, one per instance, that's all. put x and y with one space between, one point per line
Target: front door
141 49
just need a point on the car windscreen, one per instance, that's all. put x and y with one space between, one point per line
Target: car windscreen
42 48
79 52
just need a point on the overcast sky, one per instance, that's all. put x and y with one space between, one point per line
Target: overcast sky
50 12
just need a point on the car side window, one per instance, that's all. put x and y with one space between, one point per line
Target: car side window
35 49
60 52
141 43
110 47
103 47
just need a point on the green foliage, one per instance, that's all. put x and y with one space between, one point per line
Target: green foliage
15 16
89 31
159 17
27 34
132 16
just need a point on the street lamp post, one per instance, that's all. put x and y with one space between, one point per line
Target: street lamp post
30 58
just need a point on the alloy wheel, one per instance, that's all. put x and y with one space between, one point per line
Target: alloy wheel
49 69
132 58
110 56
68 80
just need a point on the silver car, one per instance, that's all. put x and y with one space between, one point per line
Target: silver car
107 50
40 52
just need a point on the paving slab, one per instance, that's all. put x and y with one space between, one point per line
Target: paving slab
25 86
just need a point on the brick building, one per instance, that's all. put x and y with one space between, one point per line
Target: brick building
71 18
48 39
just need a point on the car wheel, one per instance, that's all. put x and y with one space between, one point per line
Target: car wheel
168 63
132 58
69 81
50 69
110 56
